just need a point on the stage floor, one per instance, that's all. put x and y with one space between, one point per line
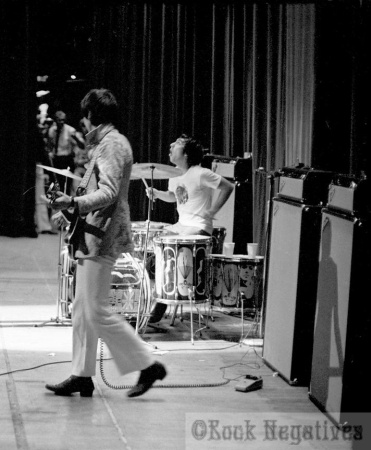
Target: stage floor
196 407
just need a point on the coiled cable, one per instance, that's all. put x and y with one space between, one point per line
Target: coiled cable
112 386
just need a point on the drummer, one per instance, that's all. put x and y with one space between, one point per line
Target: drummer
193 189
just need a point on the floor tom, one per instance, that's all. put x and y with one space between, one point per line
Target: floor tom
234 279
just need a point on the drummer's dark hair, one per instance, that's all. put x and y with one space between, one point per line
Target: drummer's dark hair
193 149
100 106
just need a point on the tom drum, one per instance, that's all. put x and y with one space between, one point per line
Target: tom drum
233 279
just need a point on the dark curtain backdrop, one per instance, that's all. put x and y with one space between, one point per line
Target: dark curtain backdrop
240 77
283 81
17 118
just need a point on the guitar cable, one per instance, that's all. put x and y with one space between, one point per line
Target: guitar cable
112 386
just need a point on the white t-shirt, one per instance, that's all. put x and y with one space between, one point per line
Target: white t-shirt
194 193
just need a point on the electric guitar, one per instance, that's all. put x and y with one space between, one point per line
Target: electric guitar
76 224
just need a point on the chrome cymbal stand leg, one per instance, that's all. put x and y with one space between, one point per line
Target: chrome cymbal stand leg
150 207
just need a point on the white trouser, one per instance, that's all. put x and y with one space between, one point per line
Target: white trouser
92 319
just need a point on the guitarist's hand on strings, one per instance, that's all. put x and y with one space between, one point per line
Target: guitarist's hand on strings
61 202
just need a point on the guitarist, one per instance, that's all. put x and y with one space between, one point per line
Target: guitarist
105 236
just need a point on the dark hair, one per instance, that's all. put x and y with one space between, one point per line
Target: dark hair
193 149
100 106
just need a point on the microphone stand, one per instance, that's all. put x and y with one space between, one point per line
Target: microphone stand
271 178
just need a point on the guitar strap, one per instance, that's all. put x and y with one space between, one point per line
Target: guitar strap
86 178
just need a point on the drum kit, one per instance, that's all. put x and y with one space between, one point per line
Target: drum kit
166 269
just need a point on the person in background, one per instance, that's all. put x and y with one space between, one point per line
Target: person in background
106 235
42 216
81 156
62 143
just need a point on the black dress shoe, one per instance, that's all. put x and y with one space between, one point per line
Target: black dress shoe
84 385
146 379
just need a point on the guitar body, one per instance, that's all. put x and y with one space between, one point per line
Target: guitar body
77 223
74 231
76 227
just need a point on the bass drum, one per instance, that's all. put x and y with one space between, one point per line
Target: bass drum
129 284
181 267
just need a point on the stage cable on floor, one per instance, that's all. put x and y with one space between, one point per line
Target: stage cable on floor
173 386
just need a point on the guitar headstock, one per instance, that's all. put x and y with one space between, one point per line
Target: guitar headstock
51 193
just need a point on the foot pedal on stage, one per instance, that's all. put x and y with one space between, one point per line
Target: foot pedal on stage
250 383
157 312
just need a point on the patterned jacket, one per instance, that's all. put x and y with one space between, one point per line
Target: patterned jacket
105 204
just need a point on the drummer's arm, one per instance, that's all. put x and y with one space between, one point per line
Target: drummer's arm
226 188
166 196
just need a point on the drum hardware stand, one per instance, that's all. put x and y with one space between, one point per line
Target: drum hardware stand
148 221
173 316
144 259
191 296
62 282
242 321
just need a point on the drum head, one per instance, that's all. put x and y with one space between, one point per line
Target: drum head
182 239
217 257
152 226
249 258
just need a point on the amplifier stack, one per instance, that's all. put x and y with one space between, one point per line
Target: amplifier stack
237 213
339 378
292 272
318 321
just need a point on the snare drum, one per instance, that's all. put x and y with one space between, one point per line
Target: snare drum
180 266
139 231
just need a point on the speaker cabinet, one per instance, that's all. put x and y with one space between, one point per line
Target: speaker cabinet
236 217
339 383
291 290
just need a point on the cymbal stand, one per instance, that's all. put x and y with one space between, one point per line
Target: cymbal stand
150 207
58 320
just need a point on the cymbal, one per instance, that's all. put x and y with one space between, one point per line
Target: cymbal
64 172
159 171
